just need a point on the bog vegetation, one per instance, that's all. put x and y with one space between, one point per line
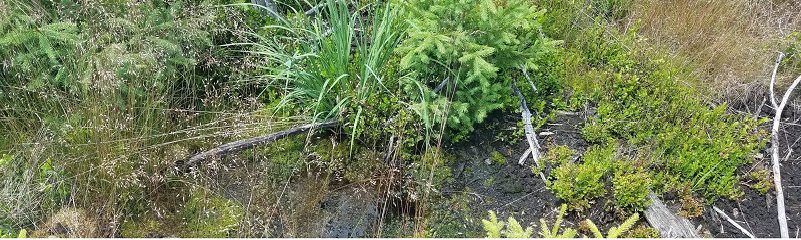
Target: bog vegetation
101 100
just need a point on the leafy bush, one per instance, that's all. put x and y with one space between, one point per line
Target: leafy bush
643 231
578 184
559 154
497 157
631 188
641 100
761 181
473 44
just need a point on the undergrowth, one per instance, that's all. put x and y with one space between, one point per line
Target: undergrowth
641 103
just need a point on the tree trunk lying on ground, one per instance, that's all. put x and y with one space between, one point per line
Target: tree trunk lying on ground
245 144
666 222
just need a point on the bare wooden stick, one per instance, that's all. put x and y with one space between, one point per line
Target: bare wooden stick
723 214
531 136
241 145
523 160
774 142
773 79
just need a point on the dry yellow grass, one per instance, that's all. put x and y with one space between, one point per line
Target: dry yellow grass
68 222
728 44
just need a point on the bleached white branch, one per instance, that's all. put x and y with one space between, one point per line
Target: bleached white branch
774 142
531 136
723 214
773 79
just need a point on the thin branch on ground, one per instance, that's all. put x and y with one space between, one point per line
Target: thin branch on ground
531 136
774 142
245 144
723 214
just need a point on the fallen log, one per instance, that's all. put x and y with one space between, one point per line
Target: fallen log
666 222
245 144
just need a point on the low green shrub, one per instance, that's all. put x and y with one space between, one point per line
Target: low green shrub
580 183
497 157
641 100
558 154
631 188
760 181
643 231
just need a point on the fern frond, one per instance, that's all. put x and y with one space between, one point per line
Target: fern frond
545 232
493 226
594 229
617 231
514 230
568 233
562 210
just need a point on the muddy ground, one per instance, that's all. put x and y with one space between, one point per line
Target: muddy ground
479 185
519 193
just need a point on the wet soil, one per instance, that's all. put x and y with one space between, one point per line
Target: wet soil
508 189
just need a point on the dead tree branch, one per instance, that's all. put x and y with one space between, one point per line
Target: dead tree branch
723 214
773 79
666 222
531 136
774 142
245 144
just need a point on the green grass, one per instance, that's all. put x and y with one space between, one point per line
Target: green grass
98 100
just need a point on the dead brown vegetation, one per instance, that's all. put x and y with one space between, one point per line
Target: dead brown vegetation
726 43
